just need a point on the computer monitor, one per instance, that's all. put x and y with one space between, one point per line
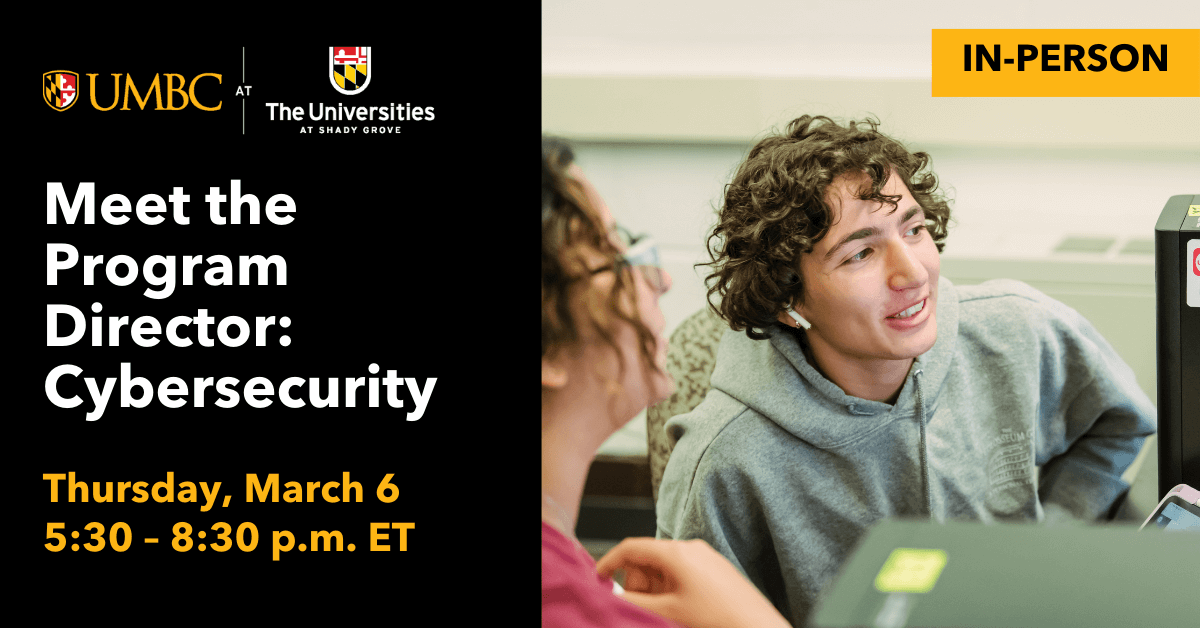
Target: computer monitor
1177 295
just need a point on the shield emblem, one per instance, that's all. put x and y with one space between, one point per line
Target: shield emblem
349 69
59 89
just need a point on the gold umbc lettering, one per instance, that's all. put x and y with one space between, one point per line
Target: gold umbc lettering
188 97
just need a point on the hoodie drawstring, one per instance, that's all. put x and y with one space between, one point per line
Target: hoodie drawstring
924 456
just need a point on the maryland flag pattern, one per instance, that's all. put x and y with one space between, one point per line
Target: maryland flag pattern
348 68
59 89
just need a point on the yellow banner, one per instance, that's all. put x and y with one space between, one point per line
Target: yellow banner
1066 62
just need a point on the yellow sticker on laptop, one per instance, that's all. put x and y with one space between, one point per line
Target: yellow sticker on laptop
1194 210
911 570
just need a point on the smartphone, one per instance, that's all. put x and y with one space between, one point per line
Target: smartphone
1179 510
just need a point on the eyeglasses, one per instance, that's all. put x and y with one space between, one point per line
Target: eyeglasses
641 252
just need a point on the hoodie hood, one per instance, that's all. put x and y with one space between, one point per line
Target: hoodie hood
793 394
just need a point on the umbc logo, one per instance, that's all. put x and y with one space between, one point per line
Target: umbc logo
59 89
171 92
348 69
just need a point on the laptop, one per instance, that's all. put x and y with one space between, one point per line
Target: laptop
921 573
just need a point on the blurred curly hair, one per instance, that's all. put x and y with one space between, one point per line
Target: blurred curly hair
775 209
570 224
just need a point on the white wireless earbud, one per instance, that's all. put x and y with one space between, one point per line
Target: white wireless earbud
799 319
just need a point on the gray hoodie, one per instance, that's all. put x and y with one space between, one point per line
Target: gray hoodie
1021 411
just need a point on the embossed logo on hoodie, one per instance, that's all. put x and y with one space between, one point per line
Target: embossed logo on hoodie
1011 460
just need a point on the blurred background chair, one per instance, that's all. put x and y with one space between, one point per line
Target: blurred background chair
691 356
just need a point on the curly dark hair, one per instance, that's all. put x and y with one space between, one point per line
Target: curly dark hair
775 209
569 223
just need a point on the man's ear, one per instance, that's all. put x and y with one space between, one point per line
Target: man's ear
792 318
554 372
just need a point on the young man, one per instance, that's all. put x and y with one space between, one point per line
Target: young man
866 386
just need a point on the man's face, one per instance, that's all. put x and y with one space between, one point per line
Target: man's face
871 282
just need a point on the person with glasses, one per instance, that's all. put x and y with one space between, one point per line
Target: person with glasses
603 361
857 383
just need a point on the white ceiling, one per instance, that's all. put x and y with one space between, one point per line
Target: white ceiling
802 38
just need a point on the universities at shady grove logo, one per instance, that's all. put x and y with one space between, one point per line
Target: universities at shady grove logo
348 69
59 89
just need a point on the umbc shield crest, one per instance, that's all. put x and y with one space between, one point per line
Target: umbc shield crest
348 69
59 89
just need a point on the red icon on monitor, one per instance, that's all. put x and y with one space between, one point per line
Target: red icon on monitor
1196 262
